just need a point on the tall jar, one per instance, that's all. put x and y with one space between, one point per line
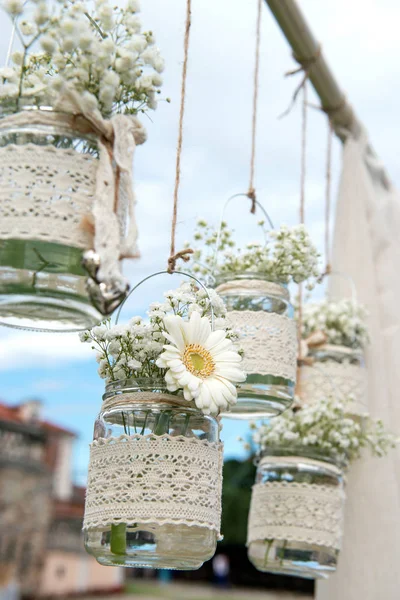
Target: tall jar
155 480
47 187
261 312
296 513
335 369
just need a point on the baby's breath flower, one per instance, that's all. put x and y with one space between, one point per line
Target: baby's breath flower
324 428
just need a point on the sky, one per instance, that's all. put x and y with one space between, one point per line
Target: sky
361 44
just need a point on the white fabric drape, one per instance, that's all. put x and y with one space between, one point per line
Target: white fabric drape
367 247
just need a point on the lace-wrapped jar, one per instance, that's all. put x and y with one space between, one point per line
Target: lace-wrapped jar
335 369
47 187
296 514
155 480
260 311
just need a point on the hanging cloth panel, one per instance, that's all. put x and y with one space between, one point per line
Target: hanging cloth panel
367 247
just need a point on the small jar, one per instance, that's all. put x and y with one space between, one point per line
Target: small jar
296 513
155 480
261 312
335 369
47 188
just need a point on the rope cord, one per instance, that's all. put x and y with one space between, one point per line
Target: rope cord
251 193
183 254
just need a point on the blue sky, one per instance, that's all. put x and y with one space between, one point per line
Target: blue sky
360 41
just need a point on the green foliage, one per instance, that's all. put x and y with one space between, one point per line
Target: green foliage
236 494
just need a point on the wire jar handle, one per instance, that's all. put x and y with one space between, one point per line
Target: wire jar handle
350 280
219 234
203 287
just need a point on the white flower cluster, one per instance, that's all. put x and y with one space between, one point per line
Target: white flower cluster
131 350
343 322
325 428
101 53
288 254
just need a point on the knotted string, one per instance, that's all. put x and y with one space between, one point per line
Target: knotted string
251 191
183 254
328 181
306 65
303 169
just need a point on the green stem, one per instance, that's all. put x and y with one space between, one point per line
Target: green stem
282 553
268 548
118 539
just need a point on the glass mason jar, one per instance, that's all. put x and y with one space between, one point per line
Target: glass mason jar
296 513
260 311
335 369
155 480
47 186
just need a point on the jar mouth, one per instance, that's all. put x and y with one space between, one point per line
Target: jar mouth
337 350
139 384
252 275
306 452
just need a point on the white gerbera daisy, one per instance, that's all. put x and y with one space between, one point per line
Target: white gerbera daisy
204 363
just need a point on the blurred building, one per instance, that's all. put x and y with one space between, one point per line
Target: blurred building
41 510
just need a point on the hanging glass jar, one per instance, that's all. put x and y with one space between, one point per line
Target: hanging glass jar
335 334
261 313
338 369
52 210
155 480
296 513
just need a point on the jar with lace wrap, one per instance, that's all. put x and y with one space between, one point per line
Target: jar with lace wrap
261 313
155 479
60 195
334 369
296 513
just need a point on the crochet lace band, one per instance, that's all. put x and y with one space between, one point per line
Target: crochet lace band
343 379
297 512
154 480
269 342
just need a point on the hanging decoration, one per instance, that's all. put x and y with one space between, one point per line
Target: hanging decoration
253 284
167 381
334 336
68 132
296 513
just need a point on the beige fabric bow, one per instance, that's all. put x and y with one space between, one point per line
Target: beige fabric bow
314 340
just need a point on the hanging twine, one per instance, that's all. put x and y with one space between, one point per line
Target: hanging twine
251 191
303 169
182 254
328 181
306 65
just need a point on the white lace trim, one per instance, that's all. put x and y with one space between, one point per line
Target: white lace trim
269 342
154 479
319 381
45 192
297 512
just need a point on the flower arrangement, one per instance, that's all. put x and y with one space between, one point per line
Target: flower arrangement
100 53
176 344
343 322
325 429
287 254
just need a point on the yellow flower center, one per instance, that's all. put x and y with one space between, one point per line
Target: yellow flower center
198 361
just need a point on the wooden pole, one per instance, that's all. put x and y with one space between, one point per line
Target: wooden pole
306 48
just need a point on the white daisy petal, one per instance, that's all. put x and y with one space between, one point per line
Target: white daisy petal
175 327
